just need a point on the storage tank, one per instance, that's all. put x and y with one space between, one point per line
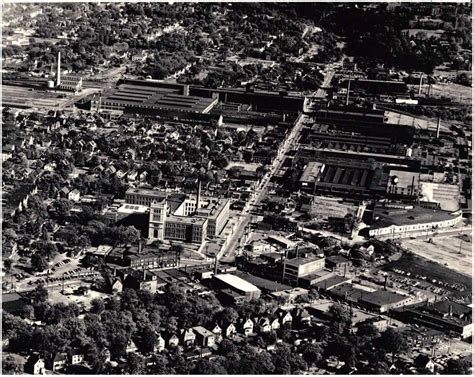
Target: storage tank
50 84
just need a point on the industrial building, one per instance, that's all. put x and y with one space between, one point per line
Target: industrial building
242 288
401 220
135 95
296 268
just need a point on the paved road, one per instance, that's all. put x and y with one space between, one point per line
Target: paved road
321 92
229 252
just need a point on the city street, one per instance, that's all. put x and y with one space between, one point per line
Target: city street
229 253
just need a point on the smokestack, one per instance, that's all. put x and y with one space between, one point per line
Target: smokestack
438 127
58 70
215 265
413 185
348 91
144 274
450 311
421 83
139 246
198 198
385 284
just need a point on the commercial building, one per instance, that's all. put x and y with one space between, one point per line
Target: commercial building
237 285
296 268
400 220
383 301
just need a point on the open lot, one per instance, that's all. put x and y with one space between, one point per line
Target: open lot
451 251
416 265
458 93
418 122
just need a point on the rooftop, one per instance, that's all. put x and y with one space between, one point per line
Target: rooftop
301 261
381 297
237 282
385 216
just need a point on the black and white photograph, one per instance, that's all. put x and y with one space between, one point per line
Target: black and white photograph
242 188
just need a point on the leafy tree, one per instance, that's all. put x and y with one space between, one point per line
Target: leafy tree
205 366
394 342
38 295
38 262
312 354
135 364
457 367
97 306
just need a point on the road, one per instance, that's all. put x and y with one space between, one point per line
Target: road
229 252
321 92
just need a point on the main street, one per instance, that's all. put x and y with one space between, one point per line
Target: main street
230 251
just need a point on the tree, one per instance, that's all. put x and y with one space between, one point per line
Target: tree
341 317
135 364
38 262
38 295
205 366
287 362
457 367
367 330
229 315
12 364
312 354
128 234
394 342
97 306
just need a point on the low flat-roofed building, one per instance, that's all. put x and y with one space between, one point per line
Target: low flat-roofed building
310 280
347 292
395 221
443 315
293 269
331 282
238 285
13 303
383 301
281 241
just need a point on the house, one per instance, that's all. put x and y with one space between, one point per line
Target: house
106 355
34 365
275 324
159 344
173 341
217 331
204 337
263 325
187 337
131 346
75 357
302 317
59 361
230 330
74 195
246 326
285 317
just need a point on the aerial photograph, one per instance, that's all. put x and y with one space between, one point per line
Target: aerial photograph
243 188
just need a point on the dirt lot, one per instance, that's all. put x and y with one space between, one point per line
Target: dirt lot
458 93
444 250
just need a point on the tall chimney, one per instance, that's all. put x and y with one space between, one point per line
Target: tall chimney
385 284
58 70
144 274
438 127
450 311
421 83
215 265
139 246
198 198
348 91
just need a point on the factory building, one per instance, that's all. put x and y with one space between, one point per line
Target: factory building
238 286
296 268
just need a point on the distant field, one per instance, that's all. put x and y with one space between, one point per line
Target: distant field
444 250
458 93
420 266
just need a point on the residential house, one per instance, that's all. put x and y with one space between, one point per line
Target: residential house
204 337
229 330
187 337
285 317
74 195
424 364
59 361
131 346
302 317
159 344
75 357
217 331
173 341
246 326
34 365
106 355
275 324
263 325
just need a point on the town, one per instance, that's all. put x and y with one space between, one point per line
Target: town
236 188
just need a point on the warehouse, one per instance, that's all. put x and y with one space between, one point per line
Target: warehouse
237 285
